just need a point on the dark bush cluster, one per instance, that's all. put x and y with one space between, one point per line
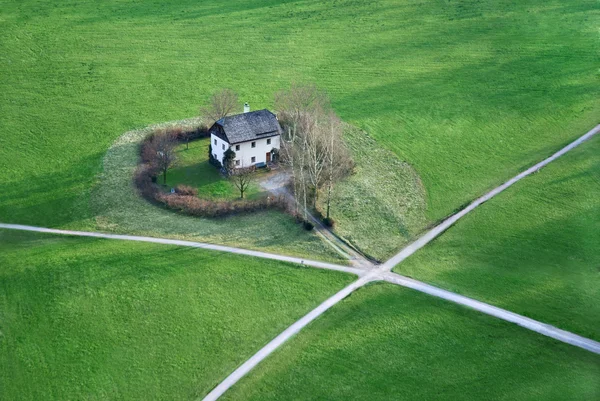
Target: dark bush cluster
145 181
186 190
186 134
308 225
328 221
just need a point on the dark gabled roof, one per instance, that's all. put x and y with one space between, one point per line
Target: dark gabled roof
248 126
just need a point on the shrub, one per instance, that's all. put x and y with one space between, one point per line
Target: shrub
177 132
200 132
308 225
328 221
185 134
186 190
229 160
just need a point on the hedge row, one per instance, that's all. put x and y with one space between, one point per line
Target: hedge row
185 199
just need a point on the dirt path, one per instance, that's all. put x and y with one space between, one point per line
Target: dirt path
393 278
276 183
530 324
283 337
367 274
440 228
166 241
383 273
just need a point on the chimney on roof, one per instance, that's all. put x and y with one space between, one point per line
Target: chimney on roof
246 107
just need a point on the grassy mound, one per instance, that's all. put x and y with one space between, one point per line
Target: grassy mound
382 205
104 319
533 249
118 208
386 342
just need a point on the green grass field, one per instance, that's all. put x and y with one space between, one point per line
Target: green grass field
193 169
533 249
466 92
382 205
386 342
100 319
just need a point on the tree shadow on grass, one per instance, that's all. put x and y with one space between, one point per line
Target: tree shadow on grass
197 175
55 199
546 269
171 11
387 342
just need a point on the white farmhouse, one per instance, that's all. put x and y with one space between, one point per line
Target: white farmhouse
251 135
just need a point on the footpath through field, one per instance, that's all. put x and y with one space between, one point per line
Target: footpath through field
384 273
366 273
276 183
213 247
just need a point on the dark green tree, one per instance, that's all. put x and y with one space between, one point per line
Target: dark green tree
229 161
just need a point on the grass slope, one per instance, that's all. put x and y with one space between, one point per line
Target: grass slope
386 342
100 319
380 207
468 92
533 249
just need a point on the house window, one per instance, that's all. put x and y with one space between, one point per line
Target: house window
215 141
253 144
223 146
237 162
215 156
237 147
269 141
253 158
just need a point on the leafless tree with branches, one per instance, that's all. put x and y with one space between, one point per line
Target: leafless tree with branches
294 104
312 145
242 178
222 103
160 152
289 150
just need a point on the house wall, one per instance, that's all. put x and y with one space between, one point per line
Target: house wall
219 147
246 152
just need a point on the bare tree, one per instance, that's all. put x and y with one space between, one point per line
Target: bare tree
298 101
338 161
160 152
315 148
221 105
312 142
242 177
303 179
294 155
289 148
